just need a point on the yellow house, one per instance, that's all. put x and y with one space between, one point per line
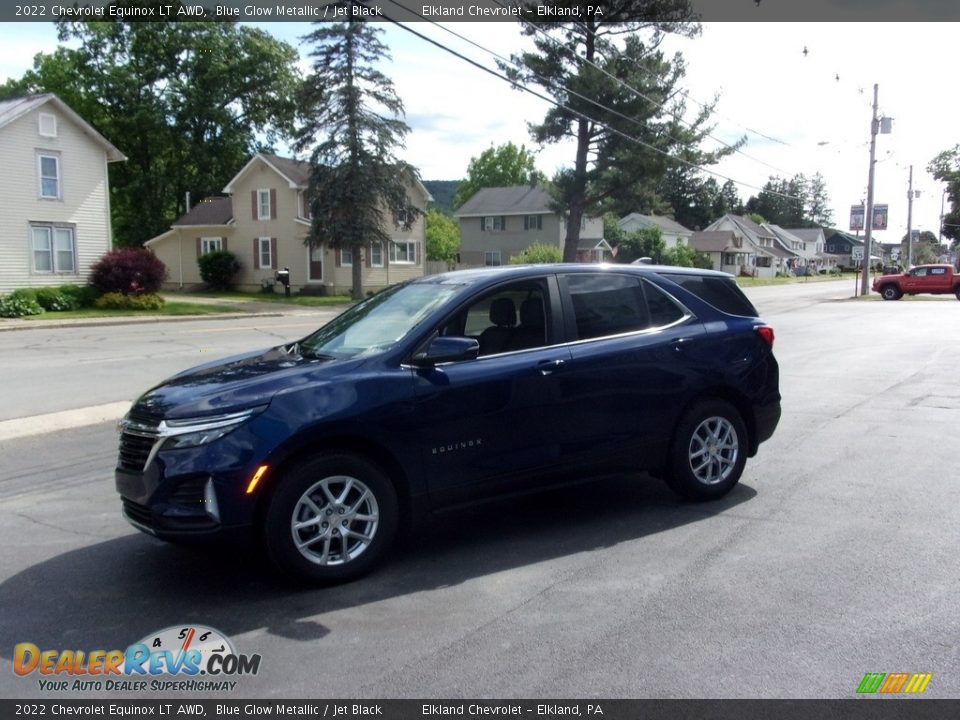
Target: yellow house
264 220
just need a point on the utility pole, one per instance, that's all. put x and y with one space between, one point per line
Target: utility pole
868 220
910 221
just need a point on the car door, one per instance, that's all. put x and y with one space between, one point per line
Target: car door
631 367
916 281
489 425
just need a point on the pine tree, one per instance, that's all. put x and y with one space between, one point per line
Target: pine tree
352 119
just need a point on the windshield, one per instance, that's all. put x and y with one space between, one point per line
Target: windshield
378 322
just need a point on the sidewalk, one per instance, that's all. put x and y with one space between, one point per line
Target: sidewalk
242 309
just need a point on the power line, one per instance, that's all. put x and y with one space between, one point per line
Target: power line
519 86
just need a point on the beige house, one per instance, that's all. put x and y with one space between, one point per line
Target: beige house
264 221
55 216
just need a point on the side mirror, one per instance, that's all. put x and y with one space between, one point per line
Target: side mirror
447 349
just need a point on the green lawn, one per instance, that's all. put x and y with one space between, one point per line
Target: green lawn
242 297
754 282
169 309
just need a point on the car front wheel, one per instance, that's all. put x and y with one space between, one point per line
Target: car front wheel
891 292
332 519
709 451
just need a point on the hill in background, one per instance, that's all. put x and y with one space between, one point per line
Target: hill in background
443 192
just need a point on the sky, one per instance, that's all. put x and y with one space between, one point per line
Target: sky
801 113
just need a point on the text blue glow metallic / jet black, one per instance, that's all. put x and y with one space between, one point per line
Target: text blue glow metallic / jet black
451 389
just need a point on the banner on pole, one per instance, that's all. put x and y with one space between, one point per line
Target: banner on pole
856 217
879 217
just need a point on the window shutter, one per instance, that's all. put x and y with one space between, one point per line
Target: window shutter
416 253
483 224
253 204
273 253
273 204
199 248
223 244
256 253
386 252
368 261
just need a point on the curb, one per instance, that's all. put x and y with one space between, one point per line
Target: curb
12 325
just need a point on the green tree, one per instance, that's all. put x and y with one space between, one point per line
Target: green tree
646 242
538 254
187 103
443 237
633 96
502 166
350 118
945 167
818 211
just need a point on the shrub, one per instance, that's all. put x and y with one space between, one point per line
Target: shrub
218 269
53 300
538 254
82 295
129 271
119 301
14 305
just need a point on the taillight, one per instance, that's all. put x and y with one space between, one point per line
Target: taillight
766 333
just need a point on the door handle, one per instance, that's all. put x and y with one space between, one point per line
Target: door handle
548 367
679 344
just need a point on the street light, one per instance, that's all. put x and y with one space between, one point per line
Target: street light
877 125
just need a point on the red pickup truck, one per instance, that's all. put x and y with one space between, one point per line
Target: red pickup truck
929 279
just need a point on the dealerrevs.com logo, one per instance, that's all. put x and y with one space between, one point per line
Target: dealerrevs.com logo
172 659
894 683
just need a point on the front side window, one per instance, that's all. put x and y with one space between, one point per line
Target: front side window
512 318
53 249
919 272
49 171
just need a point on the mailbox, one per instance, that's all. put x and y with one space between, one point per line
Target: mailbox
283 277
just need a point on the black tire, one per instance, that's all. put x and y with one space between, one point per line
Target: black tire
956 291
337 491
890 292
708 452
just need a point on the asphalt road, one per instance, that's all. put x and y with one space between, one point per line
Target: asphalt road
836 555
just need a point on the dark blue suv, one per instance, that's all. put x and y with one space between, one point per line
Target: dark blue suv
447 390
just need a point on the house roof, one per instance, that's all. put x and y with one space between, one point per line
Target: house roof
295 172
665 223
714 241
830 234
11 110
807 234
209 211
515 200
785 236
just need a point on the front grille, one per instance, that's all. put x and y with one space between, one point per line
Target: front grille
134 451
137 513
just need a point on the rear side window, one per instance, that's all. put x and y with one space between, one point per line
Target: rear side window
720 292
606 304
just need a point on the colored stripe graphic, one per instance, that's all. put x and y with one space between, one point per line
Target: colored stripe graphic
918 682
894 683
871 682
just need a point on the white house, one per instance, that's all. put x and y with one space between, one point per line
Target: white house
55 215
671 232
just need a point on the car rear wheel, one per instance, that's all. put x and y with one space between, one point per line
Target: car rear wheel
956 292
709 451
891 292
332 519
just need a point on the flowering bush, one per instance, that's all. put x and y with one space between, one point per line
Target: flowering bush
119 301
130 271
14 306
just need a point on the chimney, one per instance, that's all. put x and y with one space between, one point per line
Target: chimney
533 179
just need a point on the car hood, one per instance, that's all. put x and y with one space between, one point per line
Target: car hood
236 383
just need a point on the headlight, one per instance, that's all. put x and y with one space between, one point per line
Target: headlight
192 432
